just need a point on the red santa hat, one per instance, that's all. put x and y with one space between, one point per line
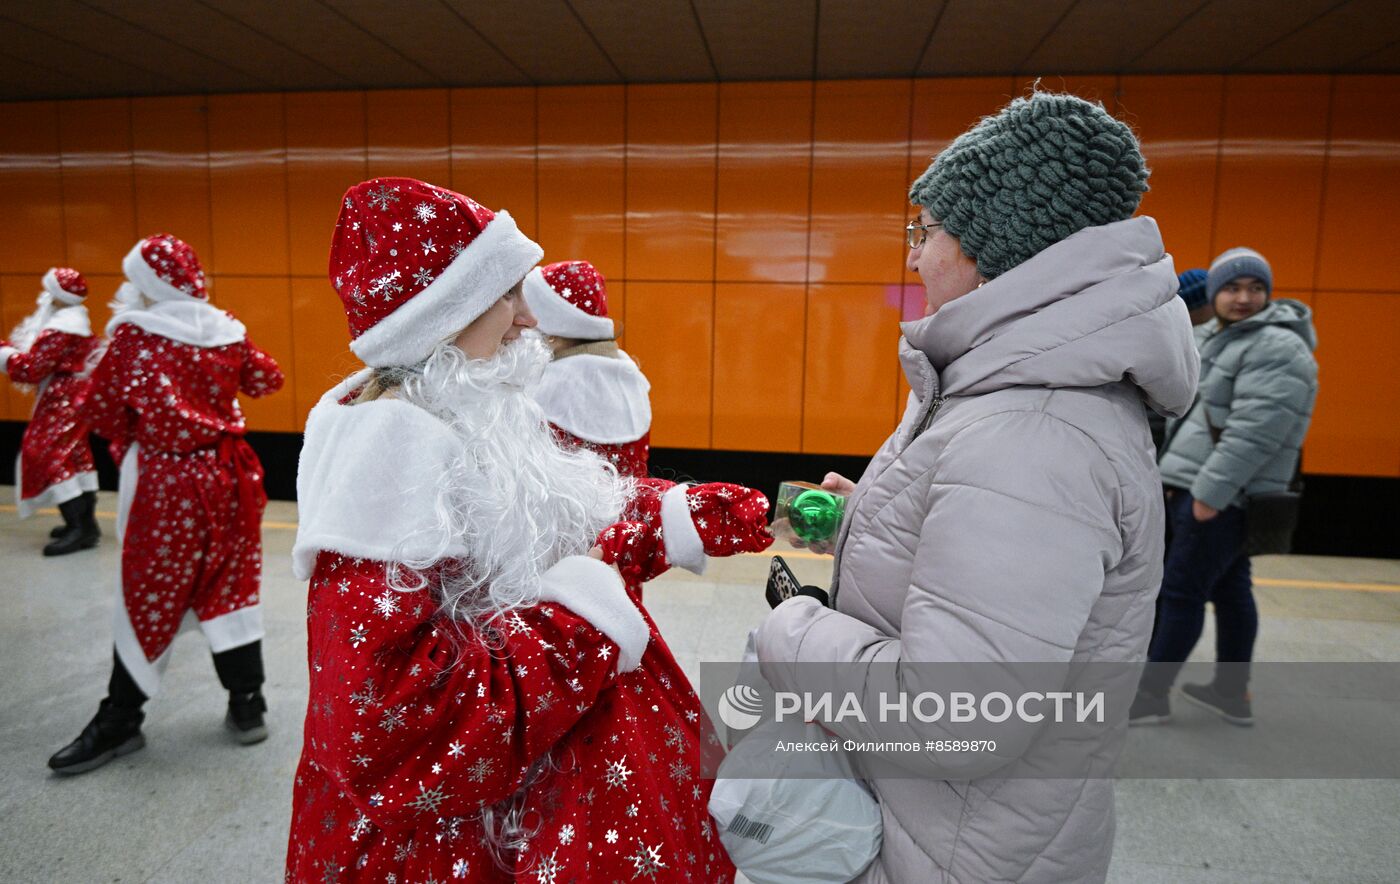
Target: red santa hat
570 300
414 264
165 268
65 285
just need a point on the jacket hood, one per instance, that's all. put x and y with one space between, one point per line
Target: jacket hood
1096 308
1282 312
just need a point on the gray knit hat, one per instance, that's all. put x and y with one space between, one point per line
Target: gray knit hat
1041 169
1234 263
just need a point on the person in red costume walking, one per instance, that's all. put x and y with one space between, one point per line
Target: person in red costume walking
594 395
487 702
190 499
50 351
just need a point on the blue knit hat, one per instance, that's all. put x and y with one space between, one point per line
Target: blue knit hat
1042 168
1192 288
1234 263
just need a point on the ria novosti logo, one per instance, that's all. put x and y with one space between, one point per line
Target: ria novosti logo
741 707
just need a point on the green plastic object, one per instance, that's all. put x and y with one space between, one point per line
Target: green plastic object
815 516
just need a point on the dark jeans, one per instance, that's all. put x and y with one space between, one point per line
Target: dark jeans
240 671
1205 563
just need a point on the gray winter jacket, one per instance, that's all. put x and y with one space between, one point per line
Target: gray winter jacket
1258 386
1015 515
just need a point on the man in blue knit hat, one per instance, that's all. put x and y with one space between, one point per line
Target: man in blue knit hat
1241 438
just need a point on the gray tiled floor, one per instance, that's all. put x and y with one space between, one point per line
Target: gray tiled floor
194 807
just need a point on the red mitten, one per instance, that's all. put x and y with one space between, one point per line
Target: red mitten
730 519
636 549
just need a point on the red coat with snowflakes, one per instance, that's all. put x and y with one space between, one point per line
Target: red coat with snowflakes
631 458
558 715
55 460
191 495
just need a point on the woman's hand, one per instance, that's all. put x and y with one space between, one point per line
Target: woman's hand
1203 512
838 483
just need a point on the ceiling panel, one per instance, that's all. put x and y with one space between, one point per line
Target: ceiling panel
1105 35
760 41
435 38
91 48
541 37
219 41
108 76
104 35
33 79
1333 40
989 36
653 42
873 38
332 40
1224 33
1384 60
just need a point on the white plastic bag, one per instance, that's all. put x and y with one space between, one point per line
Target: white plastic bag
794 830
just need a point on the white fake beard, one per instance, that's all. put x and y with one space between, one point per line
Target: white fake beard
515 497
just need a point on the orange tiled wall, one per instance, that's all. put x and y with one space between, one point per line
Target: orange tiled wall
750 232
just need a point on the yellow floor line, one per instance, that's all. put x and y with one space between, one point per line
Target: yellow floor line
1272 582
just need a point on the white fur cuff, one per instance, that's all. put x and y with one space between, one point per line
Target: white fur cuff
684 548
594 591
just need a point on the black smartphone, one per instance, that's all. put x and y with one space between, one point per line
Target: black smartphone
782 585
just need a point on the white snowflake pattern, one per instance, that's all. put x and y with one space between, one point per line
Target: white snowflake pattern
428 246
566 835
387 604
459 868
680 771
381 198
358 634
610 836
387 285
454 750
647 861
481 769
429 800
360 826
366 696
547 872
617 774
392 719
425 212
423 277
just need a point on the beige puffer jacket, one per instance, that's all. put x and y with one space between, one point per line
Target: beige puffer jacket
1024 522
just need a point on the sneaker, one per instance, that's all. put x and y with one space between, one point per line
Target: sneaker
1235 710
112 733
1149 708
245 717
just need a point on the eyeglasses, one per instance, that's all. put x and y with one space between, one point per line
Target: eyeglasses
915 233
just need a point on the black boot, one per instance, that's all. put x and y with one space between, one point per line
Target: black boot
241 673
81 531
245 717
114 731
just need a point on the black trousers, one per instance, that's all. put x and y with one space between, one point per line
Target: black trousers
240 671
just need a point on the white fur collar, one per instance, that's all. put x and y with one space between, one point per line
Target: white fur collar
70 320
600 399
189 321
367 479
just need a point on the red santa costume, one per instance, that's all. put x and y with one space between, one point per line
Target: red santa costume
51 349
190 498
487 703
593 394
